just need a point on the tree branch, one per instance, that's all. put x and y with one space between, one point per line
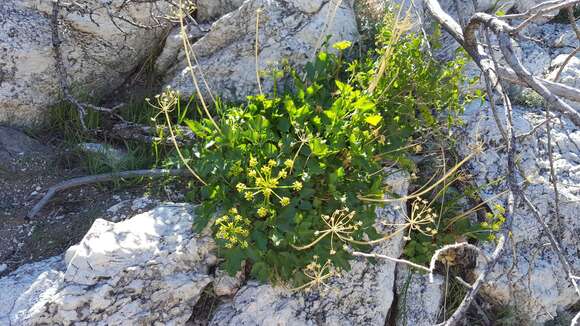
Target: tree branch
102 178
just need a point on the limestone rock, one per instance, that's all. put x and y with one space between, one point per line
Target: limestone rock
173 45
111 155
225 285
540 285
362 296
98 58
214 9
149 269
289 31
419 300
15 144
570 74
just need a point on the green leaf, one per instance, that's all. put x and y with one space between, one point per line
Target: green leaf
374 120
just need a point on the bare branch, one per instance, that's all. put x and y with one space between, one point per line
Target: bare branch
106 177
458 315
61 71
481 58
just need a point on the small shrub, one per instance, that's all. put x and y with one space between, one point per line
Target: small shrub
286 170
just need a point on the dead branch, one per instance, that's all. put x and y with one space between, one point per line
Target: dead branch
490 68
458 315
576 320
150 135
61 72
481 58
106 177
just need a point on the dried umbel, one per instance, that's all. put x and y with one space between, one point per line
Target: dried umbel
340 225
318 274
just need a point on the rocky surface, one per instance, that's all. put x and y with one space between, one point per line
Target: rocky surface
529 278
534 278
99 53
419 301
148 269
213 9
362 296
289 31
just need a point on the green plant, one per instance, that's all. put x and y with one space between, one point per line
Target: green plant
289 169
285 162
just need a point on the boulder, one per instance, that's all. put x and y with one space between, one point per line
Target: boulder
99 53
289 31
529 273
150 269
362 296
213 9
419 300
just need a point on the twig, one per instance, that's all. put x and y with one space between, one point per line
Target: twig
396 260
102 178
61 71
479 56
148 134
565 63
556 103
576 320
464 306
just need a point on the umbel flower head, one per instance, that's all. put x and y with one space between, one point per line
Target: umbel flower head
266 182
317 273
340 226
234 229
421 219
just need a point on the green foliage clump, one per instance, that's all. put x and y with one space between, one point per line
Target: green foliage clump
289 169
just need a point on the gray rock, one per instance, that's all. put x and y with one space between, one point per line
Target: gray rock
420 301
174 43
149 269
113 156
570 74
362 296
225 285
15 144
213 9
289 31
98 58
534 278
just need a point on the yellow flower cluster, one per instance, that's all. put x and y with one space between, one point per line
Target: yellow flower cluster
266 182
233 228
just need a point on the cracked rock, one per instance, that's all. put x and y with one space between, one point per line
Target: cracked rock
98 53
289 31
149 269
534 277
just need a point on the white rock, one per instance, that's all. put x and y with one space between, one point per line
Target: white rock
174 44
98 58
115 208
540 285
362 296
570 74
289 31
420 301
148 270
141 202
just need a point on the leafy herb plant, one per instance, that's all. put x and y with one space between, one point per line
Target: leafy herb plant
283 173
